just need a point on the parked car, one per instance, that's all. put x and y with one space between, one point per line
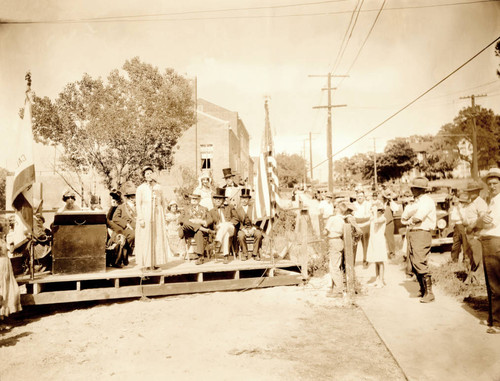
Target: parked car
443 234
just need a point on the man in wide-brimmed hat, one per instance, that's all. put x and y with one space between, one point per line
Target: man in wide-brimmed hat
222 218
475 209
193 223
490 243
247 227
420 217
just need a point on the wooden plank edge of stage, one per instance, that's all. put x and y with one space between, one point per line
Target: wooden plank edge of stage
133 283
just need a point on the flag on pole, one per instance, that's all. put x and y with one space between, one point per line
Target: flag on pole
267 184
24 174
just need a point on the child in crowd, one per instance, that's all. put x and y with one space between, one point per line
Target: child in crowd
172 219
377 252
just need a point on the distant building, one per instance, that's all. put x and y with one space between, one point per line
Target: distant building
218 140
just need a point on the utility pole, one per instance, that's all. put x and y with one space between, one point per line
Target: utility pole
305 164
329 125
475 167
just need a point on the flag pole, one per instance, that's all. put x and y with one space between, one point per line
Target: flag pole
27 77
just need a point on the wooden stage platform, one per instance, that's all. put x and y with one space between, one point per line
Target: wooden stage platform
176 277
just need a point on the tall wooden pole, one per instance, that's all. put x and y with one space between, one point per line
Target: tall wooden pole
475 166
329 139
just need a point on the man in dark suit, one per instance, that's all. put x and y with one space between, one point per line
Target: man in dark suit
125 216
222 219
247 227
193 223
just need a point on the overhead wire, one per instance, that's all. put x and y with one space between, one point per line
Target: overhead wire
133 18
364 42
337 58
410 103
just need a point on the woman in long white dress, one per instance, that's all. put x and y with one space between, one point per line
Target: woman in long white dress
377 251
10 299
151 242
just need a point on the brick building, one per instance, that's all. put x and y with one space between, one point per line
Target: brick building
218 140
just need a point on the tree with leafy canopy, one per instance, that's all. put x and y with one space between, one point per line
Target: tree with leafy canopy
291 169
117 126
488 135
398 158
3 178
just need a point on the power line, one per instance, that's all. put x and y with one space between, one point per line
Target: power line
412 102
344 39
132 18
366 39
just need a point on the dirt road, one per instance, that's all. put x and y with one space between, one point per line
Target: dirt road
282 333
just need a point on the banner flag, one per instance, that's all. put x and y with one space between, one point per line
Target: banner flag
24 174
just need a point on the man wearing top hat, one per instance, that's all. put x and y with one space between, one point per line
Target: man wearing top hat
420 217
232 189
125 215
222 218
489 235
247 226
193 223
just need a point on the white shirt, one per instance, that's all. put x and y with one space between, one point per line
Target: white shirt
493 229
325 208
474 210
335 226
423 209
362 210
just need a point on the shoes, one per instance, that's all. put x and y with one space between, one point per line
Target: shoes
199 261
226 259
365 264
244 258
257 257
493 330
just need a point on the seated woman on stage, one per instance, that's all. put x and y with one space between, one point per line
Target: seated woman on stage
172 217
69 199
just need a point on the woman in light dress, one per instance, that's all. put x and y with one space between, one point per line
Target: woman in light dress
205 190
152 248
172 216
377 252
10 299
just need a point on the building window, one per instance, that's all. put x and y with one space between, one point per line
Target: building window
206 154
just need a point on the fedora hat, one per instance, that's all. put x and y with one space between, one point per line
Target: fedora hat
226 172
420 182
492 172
473 186
195 196
245 193
146 167
220 193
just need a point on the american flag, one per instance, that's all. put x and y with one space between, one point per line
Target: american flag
267 183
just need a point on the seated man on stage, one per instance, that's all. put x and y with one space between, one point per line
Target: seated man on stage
244 213
116 256
193 223
222 219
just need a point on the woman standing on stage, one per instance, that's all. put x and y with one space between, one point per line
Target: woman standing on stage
151 242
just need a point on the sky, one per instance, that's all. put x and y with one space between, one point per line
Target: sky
244 51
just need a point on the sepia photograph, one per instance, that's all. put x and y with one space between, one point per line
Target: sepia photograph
252 190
